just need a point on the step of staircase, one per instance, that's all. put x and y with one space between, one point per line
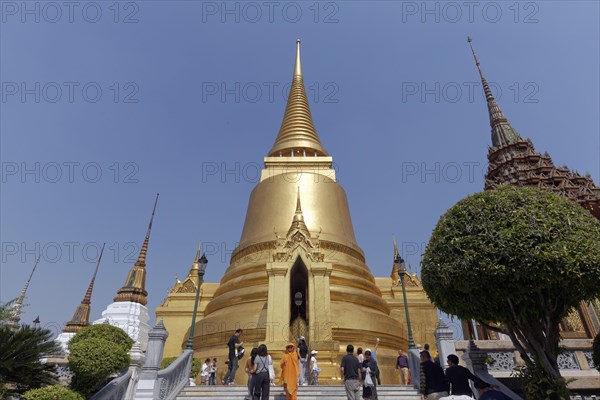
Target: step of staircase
304 393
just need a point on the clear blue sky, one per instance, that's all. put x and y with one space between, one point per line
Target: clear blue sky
373 70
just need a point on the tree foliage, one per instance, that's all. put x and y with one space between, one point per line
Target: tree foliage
516 256
93 361
55 392
196 365
21 354
113 334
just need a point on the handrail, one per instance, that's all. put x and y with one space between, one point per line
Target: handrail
171 380
114 389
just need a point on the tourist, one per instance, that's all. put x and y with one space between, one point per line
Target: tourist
374 356
458 377
351 374
233 344
290 372
261 385
359 355
302 359
248 369
369 369
486 392
419 348
205 372
433 381
314 368
402 365
212 379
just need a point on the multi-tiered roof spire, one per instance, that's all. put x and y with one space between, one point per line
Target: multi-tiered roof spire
297 135
81 317
134 289
502 132
17 307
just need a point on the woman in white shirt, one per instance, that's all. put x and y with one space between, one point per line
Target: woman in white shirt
205 372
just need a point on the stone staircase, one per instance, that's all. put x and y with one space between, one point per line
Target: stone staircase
304 393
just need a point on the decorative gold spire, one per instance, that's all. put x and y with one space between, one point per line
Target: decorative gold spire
17 307
134 289
297 135
81 317
395 267
298 221
502 132
195 265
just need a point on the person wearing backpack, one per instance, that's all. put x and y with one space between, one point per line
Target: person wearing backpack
233 345
261 384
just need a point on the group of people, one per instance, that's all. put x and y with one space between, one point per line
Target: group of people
208 372
359 371
300 367
295 365
452 384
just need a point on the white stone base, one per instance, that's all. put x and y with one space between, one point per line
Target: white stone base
131 317
63 339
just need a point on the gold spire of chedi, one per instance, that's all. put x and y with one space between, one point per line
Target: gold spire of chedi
396 266
81 317
502 132
297 135
16 308
134 289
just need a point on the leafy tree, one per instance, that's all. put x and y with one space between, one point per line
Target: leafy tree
596 352
113 334
55 392
520 257
21 354
93 361
196 365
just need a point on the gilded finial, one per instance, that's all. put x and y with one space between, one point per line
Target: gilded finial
134 289
297 134
81 317
298 65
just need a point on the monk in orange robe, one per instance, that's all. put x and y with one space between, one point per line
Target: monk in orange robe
290 371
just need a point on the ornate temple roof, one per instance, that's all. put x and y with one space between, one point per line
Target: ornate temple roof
514 160
134 289
297 134
81 317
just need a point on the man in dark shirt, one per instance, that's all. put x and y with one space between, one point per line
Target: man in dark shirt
303 359
486 392
459 376
351 375
433 380
402 365
233 344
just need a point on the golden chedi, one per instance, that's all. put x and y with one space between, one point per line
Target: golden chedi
298 270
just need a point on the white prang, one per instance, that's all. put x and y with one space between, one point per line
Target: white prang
63 340
131 317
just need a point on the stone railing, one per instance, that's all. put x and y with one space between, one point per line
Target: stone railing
115 389
171 380
574 361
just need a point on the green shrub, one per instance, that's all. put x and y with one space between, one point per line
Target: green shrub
196 365
93 361
108 332
55 392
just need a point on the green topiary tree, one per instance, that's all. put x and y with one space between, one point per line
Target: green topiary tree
520 257
55 392
596 352
108 332
21 354
93 361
